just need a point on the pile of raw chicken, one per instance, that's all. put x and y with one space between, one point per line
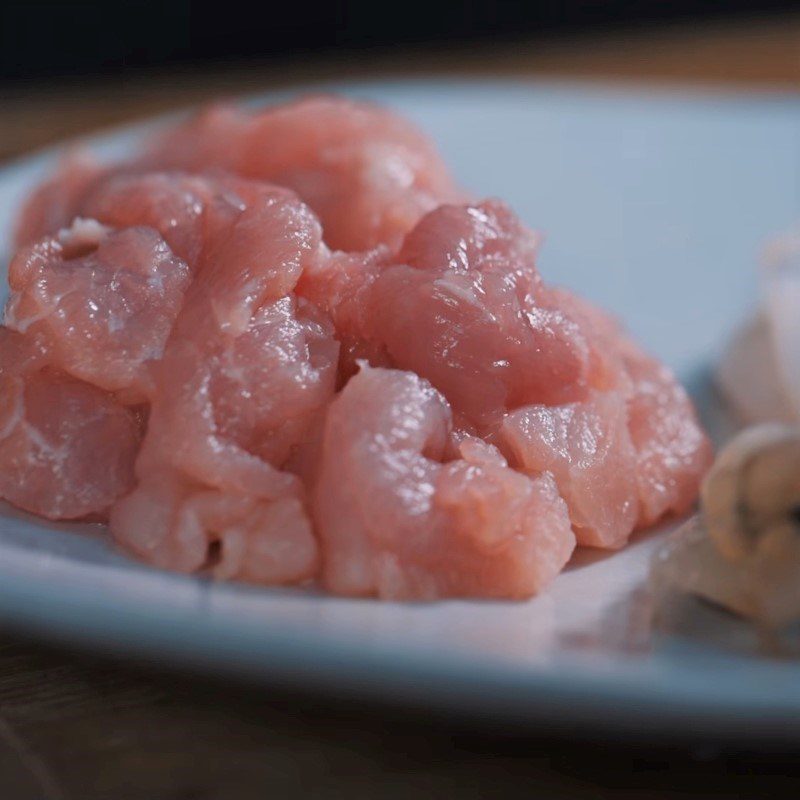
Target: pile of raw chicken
284 347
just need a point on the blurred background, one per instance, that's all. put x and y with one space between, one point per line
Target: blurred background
57 39
127 59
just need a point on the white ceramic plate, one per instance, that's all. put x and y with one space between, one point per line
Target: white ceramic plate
653 204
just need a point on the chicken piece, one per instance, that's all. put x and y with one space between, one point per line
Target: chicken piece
101 302
367 173
464 313
672 452
66 448
588 449
244 379
56 202
397 521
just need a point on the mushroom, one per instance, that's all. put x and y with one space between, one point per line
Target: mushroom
751 496
743 550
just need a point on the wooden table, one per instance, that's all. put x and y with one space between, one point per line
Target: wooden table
74 727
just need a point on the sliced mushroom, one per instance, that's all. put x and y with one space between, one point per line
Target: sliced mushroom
743 550
753 490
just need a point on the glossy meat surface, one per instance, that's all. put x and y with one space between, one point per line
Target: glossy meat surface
281 346
397 520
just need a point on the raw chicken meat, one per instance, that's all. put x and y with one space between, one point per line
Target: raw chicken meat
175 205
672 450
462 305
243 380
588 449
66 448
554 382
56 202
101 302
367 173
396 520
89 311
283 347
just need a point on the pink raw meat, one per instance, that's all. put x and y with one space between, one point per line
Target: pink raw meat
174 204
535 369
247 399
101 302
397 522
214 422
242 381
242 234
55 202
483 419
257 258
672 452
211 139
588 448
368 174
66 448
467 311
175 523
339 284
273 380
189 211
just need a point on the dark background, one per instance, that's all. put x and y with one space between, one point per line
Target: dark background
73 39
